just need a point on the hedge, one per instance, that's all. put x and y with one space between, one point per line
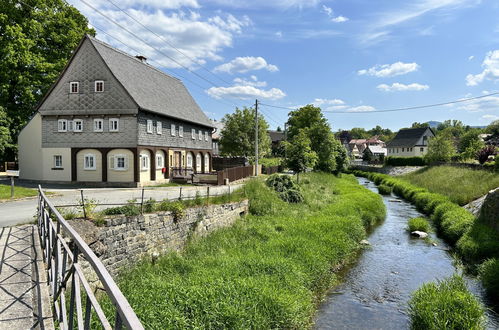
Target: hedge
405 161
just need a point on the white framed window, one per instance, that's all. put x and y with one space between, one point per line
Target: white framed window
74 87
159 127
149 126
206 135
62 125
181 131
77 125
189 160
159 162
70 125
114 124
57 161
172 129
118 162
89 162
99 86
144 162
98 125
193 133
200 135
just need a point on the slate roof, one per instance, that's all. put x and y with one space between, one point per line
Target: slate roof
377 150
152 89
276 136
408 137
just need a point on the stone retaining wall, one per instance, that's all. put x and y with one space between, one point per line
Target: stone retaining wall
123 240
390 170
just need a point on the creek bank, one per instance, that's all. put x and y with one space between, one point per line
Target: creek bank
390 170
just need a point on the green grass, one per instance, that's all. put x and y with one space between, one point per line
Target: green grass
460 185
266 271
19 192
384 189
420 224
489 273
447 304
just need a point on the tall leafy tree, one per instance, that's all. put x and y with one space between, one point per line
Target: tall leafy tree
440 149
299 154
331 154
238 135
37 38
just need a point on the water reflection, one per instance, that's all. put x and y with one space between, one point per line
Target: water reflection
376 289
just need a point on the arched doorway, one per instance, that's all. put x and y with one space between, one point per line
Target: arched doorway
199 167
190 161
206 163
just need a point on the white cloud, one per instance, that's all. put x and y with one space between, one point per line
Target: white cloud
334 102
280 4
488 103
245 93
278 34
327 10
490 118
361 108
252 82
390 70
339 19
201 39
402 87
490 71
245 64
471 57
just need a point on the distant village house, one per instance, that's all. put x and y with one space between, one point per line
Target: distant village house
410 142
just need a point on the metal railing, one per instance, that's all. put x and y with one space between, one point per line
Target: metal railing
64 270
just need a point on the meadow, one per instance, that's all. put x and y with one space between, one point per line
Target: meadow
461 185
19 192
269 270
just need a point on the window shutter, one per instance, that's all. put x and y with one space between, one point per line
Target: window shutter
111 162
126 162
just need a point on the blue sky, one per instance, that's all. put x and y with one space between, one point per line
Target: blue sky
350 56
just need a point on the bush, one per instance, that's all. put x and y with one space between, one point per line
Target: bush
484 153
455 223
420 224
426 201
489 274
496 166
384 189
479 243
130 209
447 304
286 187
405 161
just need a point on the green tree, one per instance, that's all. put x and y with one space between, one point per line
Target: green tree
440 149
419 125
5 140
299 154
332 156
493 128
37 38
359 133
238 135
470 144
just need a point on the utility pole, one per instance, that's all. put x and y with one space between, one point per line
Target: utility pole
256 137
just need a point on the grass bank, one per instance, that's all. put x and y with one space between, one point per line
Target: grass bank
19 192
266 271
474 241
461 185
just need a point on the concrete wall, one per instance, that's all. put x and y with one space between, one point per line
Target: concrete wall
50 173
89 175
30 150
114 175
165 139
390 170
125 240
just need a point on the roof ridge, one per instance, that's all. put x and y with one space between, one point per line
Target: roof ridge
93 39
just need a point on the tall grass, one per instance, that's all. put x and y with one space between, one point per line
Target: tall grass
461 185
266 271
446 304
19 192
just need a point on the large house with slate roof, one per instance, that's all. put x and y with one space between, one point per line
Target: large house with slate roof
410 142
112 118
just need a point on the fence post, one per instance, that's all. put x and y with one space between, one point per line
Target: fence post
142 202
180 195
12 187
83 204
207 195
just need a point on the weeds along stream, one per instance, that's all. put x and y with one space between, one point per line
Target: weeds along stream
377 287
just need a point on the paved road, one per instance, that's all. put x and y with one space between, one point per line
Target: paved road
23 211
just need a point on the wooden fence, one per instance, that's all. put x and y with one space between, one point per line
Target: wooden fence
63 261
234 173
271 169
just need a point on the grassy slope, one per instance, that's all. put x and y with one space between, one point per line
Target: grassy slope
267 270
19 192
461 185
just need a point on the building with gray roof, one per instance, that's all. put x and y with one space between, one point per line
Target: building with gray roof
410 142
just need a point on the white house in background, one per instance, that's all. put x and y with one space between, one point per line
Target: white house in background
376 151
410 142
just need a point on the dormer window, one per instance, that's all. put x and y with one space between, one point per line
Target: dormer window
74 87
99 86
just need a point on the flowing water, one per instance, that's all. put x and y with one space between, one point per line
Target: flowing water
376 289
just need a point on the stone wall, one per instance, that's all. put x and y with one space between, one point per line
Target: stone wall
390 170
123 240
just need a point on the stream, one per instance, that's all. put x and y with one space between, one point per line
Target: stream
377 287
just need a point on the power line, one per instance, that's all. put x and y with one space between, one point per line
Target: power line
396 109
168 43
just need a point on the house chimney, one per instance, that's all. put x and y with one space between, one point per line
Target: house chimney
143 59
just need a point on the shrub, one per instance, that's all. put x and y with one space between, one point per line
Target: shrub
130 209
489 274
455 222
447 304
291 196
405 161
439 211
496 166
484 154
420 224
286 187
479 243
426 201
384 189
149 205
